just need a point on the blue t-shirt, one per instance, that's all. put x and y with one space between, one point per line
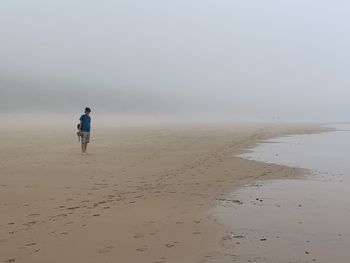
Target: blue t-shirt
85 127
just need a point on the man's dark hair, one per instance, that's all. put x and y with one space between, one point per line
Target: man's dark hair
87 109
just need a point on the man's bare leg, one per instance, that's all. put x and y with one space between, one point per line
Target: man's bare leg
83 148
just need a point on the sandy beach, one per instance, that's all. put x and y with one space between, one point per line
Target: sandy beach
141 195
180 96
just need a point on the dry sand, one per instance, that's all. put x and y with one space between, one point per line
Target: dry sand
142 195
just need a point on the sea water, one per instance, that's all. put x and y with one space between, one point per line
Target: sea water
294 220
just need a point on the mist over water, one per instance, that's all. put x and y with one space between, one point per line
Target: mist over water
230 60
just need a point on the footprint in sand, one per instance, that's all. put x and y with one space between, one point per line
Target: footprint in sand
53 233
105 249
73 207
10 260
31 223
57 217
139 235
31 215
169 245
154 233
142 249
30 244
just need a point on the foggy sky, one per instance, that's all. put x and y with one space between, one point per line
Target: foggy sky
264 59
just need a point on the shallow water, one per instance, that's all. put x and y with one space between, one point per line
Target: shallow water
301 220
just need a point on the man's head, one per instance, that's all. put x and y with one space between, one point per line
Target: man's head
87 110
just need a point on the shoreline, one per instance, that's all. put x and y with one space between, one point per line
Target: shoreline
141 196
294 219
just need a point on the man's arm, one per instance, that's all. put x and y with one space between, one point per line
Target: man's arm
81 125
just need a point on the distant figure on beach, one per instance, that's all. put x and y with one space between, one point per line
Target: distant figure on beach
84 128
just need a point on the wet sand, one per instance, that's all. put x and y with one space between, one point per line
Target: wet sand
142 195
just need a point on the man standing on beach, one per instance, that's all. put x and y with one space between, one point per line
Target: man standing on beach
84 130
